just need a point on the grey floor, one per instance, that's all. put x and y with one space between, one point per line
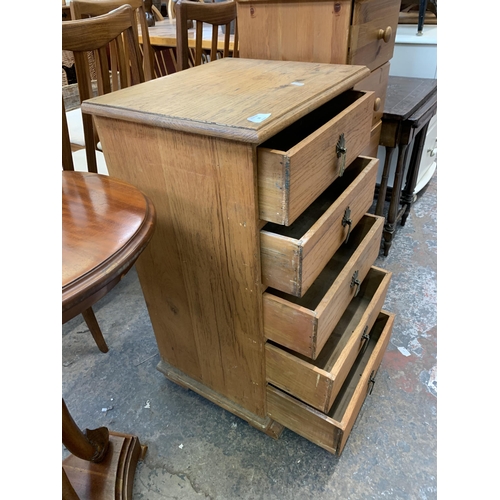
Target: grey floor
198 450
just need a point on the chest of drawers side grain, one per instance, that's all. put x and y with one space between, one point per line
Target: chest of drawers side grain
195 154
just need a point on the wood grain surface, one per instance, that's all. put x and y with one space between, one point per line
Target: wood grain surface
106 223
217 99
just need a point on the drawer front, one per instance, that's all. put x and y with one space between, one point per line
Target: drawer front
372 148
377 82
304 325
318 383
300 162
293 257
373 31
331 430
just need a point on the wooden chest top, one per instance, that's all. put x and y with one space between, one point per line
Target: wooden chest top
239 99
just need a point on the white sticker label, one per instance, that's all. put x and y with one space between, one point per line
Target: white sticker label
259 117
298 84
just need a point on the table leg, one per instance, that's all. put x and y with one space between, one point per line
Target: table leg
391 220
407 196
422 7
95 329
91 446
379 210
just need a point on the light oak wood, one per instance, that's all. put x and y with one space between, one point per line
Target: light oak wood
298 164
373 32
330 31
224 94
346 32
265 424
115 32
81 9
292 257
310 30
219 14
304 325
164 34
371 149
195 156
376 82
318 383
331 430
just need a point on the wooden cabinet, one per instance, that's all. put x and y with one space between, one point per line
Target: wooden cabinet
259 279
327 31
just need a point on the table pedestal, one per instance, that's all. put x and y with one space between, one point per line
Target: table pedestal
102 464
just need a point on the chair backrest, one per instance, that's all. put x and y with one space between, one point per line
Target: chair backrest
216 14
111 40
80 9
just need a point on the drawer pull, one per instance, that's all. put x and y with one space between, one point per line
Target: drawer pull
355 282
341 153
376 105
347 221
371 381
366 338
385 35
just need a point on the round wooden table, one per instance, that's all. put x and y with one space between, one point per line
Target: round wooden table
106 224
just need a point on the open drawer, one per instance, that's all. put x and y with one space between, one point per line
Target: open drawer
331 430
293 257
305 324
296 165
317 382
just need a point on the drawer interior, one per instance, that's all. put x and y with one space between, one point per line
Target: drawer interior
305 126
346 393
312 298
346 325
313 213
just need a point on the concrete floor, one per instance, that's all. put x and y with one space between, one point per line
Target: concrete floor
198 450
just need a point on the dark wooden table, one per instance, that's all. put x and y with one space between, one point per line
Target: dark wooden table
409 106
106 224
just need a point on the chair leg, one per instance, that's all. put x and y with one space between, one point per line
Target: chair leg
95 330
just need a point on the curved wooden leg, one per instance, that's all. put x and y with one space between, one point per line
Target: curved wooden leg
95 330
91 446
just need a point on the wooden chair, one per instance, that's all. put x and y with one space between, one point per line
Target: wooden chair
113 31
216 14
81 9
112 40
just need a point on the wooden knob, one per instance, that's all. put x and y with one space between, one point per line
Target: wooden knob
386 34
376 105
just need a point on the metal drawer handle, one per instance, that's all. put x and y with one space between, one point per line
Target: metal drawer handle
355 282
385 35
341 154
372 382
366 338
346 221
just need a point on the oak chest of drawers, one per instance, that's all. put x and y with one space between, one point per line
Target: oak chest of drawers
259 280
326 31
